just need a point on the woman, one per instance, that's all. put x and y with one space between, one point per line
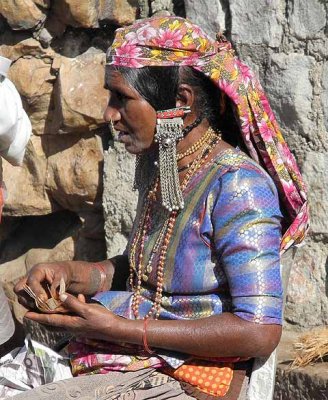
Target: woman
203 294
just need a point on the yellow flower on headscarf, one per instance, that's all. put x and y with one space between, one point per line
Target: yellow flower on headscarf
255 96
216 74
178 55
234 74
203 45
156 53
174 25
187 40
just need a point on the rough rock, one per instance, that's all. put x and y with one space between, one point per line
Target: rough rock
307 18
199 12
74 165
34 82
26 184
77 13
290 90
310 382
43 3
256 22
89 14
21 14
28 47
80 91
307 302
315 169
159 6
119 199
118 12
60 172
324 94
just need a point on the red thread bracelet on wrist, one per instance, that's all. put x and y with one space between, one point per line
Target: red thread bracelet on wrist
103 276
144 338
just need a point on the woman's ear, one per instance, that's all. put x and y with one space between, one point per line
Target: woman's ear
185 96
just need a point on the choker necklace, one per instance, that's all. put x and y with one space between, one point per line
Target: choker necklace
208 136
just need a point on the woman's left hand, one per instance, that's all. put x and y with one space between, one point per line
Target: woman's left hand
87 320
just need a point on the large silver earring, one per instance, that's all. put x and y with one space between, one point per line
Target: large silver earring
169 128
144 171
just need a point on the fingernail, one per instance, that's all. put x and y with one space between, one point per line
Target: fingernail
63 297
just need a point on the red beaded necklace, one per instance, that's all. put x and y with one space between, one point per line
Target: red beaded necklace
137 267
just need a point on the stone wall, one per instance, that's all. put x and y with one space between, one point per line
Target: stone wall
54 206
58 52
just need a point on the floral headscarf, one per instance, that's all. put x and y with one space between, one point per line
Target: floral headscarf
174 41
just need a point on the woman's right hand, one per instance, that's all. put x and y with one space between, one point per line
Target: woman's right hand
39 278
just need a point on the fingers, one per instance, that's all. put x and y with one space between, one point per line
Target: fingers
81 297
37 278
23 298
54 288
73 304
55 320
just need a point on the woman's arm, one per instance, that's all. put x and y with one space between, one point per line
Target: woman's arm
80 277
224 335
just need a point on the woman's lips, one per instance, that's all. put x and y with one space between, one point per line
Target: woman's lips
122 136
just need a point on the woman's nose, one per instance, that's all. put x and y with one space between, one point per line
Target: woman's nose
111 114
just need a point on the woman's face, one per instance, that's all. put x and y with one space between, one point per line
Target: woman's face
131 114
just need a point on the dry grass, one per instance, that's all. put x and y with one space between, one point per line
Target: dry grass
311 348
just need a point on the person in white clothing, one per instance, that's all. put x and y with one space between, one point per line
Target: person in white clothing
15 131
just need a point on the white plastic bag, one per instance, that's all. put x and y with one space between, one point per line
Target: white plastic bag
15 127
31 366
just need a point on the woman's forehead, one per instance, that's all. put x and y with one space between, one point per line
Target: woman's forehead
114 79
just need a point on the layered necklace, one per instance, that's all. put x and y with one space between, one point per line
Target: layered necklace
138 270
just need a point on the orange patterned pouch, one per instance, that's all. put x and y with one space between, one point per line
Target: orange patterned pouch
222 377
211 378
214 380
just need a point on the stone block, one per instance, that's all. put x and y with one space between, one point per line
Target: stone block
290 90
34 81
82 14
307 19
199 11
314 170
21 14
256 22
74 168
59 172
118 12
80 92
310 382
88 14
324 93
26 184
160 6
43 3
307 301
27 47
119 199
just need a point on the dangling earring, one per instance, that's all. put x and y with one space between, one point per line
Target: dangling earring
169 127
111 127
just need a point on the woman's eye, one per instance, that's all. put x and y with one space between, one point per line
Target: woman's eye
120 96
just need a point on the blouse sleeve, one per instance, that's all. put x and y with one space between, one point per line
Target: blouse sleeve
246 222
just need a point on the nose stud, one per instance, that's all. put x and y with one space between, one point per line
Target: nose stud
111 127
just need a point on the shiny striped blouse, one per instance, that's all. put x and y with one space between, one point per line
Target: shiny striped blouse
224 252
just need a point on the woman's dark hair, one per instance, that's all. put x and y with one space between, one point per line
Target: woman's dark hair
159 86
